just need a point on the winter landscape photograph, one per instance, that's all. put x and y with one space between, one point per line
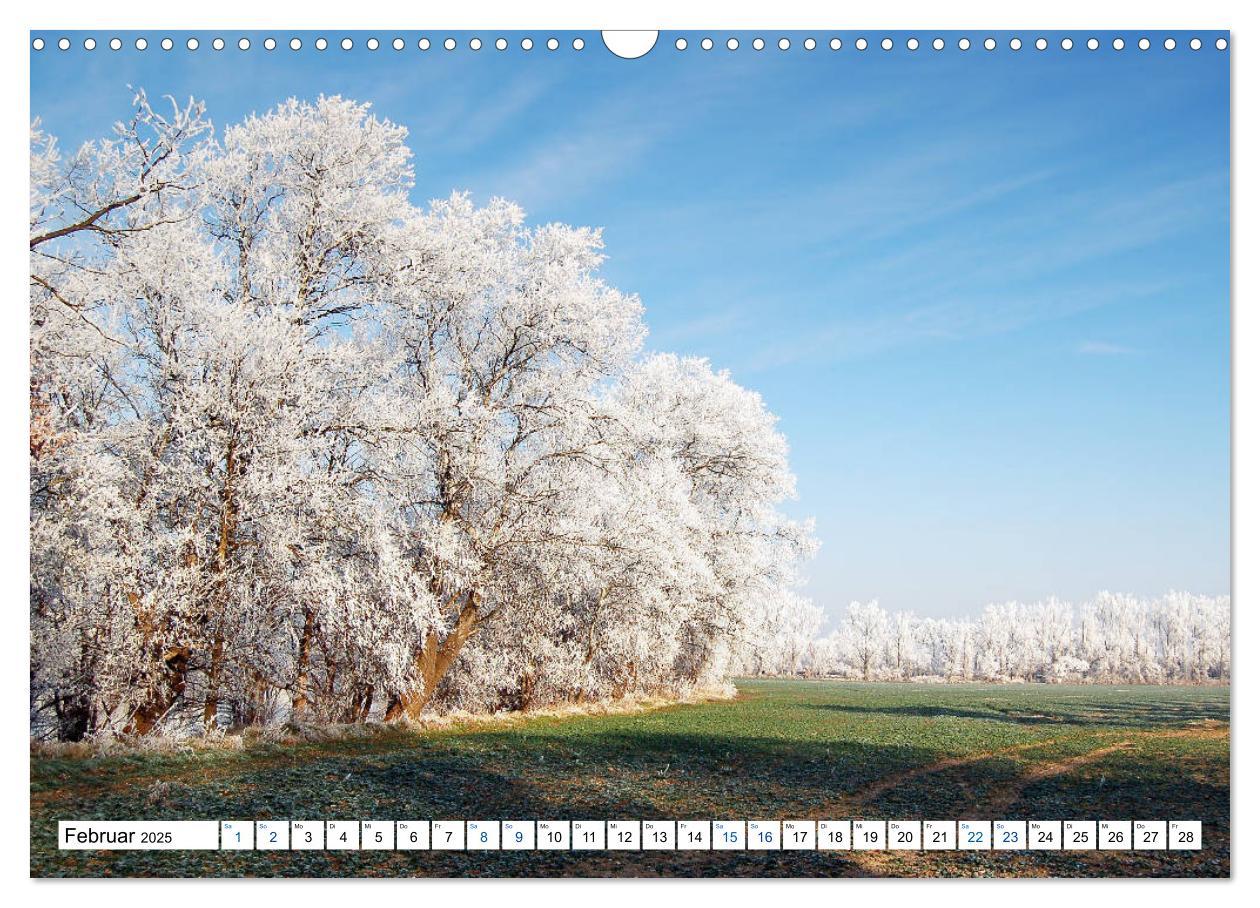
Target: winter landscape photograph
433 427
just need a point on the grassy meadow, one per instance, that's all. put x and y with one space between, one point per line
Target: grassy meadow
780 750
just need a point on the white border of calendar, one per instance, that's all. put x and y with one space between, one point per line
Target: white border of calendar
679 14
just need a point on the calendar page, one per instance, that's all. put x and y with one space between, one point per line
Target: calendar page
576 453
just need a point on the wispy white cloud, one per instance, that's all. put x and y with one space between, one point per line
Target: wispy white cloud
949 319
1018 266
703 329
468 119
572 162
1102 348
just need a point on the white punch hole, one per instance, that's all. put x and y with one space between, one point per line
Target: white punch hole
629 45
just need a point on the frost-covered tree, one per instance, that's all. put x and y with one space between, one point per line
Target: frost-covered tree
863 639
302 449
786 631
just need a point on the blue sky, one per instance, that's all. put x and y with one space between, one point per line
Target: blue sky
986 292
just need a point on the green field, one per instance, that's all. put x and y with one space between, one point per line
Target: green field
781 750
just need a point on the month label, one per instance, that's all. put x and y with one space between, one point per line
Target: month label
94 835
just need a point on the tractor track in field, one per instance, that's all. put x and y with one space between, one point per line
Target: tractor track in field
895 780
1009 793
893 863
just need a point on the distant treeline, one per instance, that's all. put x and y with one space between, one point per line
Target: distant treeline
1111 638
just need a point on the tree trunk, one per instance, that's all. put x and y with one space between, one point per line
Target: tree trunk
433 662
74 716
209 715
148 715
301 700
227 529
590 631
526 691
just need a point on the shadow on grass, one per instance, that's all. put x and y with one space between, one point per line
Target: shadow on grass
631 775
695 763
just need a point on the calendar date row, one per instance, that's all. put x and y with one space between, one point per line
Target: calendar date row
632 835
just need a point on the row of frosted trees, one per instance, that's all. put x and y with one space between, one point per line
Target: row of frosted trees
1111 638
304 451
